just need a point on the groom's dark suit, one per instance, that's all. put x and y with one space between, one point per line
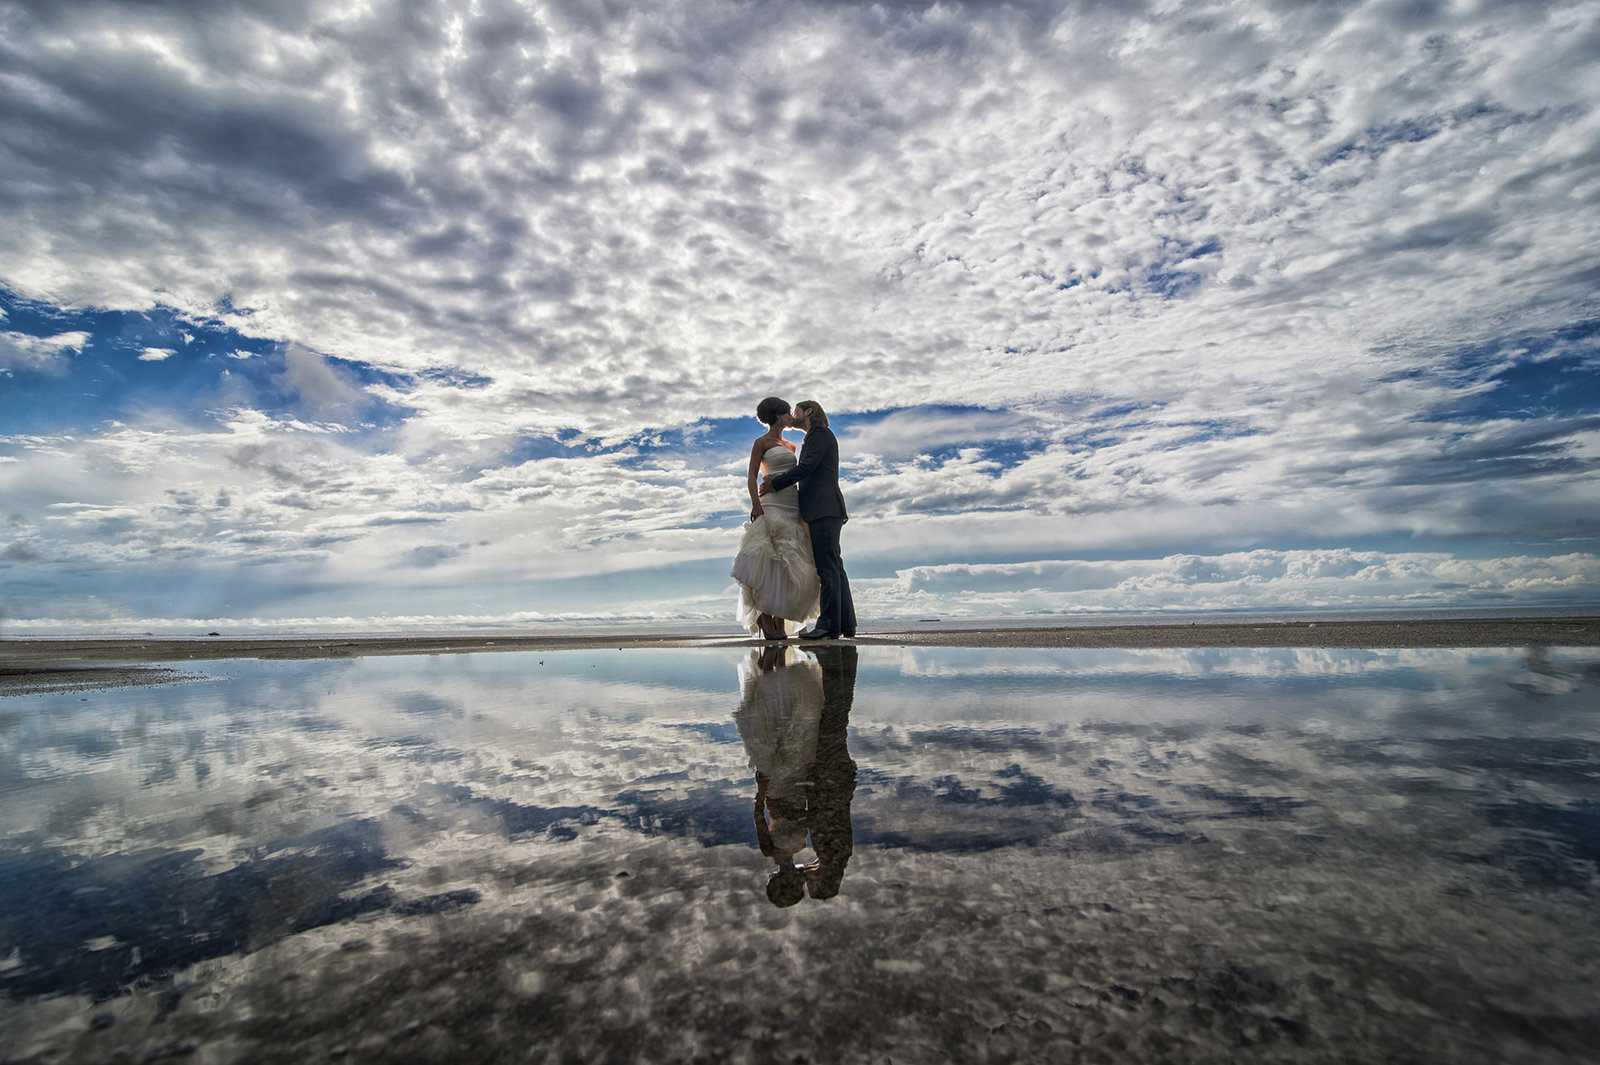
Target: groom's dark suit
822 509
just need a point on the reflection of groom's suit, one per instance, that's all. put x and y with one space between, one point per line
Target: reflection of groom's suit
833 775
822 509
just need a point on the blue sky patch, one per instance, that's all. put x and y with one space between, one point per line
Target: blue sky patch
531 447
1554 375
161 365
1562 387
1376 140
1170 278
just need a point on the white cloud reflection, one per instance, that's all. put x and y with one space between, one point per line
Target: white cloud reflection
504 845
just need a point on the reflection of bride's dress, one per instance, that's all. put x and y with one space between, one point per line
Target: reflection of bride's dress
779 712
794 713
774 567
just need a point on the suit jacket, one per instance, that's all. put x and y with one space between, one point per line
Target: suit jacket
833 774
817 473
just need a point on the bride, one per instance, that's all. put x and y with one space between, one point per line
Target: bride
777 577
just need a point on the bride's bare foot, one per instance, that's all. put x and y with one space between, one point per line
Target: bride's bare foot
771 627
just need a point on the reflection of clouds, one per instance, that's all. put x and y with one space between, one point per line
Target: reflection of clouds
1378 666
1336 689
333 739
1128 788
567 849
151 913
306 743
1122 752
443 761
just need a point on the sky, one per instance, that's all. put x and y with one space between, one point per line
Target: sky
383 315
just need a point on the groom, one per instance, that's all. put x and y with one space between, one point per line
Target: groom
822 509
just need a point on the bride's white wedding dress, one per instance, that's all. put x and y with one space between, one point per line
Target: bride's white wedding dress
780 711
774 568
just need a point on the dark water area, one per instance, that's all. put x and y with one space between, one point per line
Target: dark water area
828 855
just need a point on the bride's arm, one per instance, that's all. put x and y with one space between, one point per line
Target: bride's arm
753 478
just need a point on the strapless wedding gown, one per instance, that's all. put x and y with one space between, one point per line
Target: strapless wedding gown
774 568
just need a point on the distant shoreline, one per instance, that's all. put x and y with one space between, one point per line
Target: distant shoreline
86 663
1581 631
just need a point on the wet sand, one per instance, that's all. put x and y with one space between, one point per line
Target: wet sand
37 665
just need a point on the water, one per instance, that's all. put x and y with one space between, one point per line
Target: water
1053 855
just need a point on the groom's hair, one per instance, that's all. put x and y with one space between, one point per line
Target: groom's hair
770 408
815 409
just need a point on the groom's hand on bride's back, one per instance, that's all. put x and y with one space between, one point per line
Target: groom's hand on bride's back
766 486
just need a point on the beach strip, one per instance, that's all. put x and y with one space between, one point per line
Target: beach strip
33 665
1450 632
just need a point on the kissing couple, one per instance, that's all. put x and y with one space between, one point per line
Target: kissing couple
788 566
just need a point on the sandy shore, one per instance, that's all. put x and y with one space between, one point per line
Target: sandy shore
36 665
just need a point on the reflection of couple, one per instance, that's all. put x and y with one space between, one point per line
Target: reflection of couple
793 714
789 567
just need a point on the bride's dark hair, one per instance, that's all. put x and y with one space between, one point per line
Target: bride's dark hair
769 410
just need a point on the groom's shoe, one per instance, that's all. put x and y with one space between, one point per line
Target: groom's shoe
819 634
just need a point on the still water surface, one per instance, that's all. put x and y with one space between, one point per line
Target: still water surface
902 854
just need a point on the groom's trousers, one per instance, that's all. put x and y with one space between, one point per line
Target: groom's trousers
838 609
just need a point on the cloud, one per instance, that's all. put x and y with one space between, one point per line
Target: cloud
317 385
907 433
1255 580
450 274
39 354
632 195
18 551
429 555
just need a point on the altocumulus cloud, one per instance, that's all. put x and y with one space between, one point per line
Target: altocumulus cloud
1255 580
458 311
